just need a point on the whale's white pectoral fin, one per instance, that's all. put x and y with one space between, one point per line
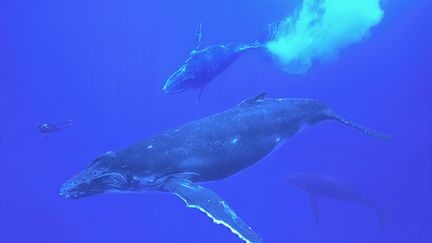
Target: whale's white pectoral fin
210 203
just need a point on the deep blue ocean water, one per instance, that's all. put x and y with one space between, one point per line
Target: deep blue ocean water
103 64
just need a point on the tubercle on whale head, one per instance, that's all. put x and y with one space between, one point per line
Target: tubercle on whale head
102 175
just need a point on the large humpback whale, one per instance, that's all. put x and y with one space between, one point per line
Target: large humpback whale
207 149
203 65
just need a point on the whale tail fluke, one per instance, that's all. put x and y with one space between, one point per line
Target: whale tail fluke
263 39
366 130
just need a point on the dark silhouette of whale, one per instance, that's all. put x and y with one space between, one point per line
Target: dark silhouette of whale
203 65
320 185
207 149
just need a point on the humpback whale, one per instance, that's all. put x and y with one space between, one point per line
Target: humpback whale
208 149
320 185
203 65
317 31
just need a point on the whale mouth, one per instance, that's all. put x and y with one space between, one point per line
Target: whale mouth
65 194
168 90
73 189
178 86
180 81
89 183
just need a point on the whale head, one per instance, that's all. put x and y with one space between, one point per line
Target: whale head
103 174
181 80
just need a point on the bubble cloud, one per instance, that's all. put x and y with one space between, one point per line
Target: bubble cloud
319 29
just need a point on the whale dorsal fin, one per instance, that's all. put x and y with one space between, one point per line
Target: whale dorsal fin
198 37
253 100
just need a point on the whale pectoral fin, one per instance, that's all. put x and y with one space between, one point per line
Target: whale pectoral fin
200 93
210 203
198 37
315 208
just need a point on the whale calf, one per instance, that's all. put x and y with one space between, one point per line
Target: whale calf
203 65
208 149
321 185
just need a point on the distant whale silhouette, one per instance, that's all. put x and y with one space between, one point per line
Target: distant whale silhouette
320 185
211 148
203 65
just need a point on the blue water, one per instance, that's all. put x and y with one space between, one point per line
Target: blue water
103 64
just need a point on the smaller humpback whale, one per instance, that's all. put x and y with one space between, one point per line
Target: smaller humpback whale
320 185
46 128
203 65
208 149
